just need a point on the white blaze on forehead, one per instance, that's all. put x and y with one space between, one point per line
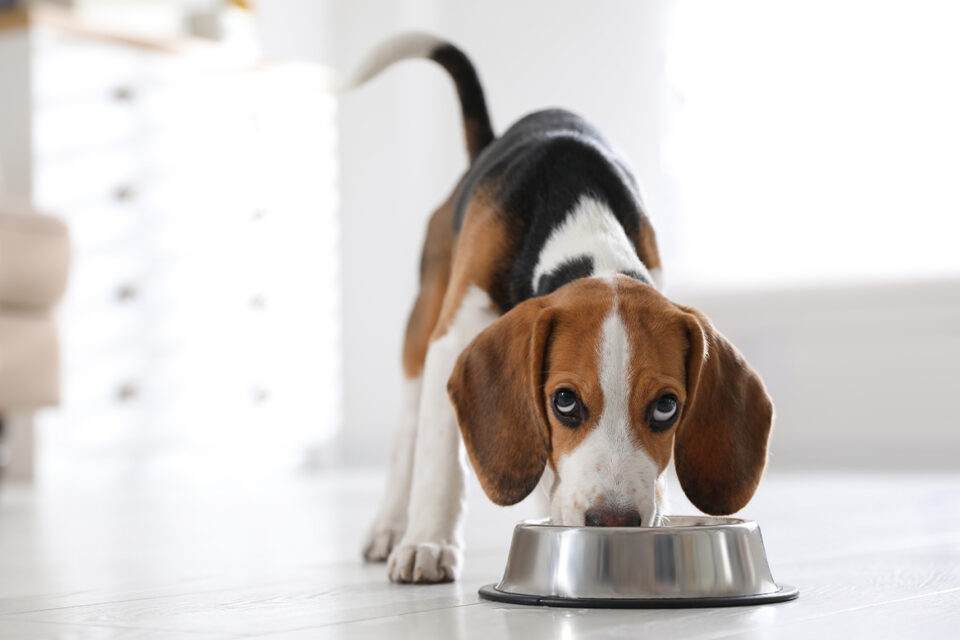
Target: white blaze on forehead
614 356
592 230
610 462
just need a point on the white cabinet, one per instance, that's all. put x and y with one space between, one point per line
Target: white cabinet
200 193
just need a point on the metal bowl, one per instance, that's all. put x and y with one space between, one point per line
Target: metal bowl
690 561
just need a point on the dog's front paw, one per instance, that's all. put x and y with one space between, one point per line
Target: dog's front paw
425 562
380 542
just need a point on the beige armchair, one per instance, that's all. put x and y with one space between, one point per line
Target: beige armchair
34 259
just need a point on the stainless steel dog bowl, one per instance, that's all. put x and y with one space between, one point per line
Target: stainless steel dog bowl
691 561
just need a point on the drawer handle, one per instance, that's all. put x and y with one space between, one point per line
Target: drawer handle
124 193
127 292
128 392
124 94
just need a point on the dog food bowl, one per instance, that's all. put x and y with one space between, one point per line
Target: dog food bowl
690 561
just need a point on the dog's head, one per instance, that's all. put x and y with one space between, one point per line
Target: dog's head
603 380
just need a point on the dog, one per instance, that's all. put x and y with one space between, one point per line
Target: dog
539 329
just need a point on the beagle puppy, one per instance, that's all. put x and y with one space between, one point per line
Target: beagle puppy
539 330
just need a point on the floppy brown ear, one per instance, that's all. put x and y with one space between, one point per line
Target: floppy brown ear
721 443
495 390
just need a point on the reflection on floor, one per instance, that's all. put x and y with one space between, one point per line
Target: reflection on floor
95 552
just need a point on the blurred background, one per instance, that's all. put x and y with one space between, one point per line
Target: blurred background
207 257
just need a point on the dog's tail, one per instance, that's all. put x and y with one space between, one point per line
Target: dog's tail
473 106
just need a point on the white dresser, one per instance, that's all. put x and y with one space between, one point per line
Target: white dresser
199 188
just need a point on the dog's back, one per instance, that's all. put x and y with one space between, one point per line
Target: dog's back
536 174
544 169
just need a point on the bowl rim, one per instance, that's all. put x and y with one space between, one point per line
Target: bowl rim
708 523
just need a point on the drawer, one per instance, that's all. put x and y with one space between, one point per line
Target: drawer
81 128
68 68
95 382
104 227
84 429
200 201
211 381
96 277
92 332
108 174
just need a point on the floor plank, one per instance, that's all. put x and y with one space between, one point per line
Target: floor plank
923 616
22 629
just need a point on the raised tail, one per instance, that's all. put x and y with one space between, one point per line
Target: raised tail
473 106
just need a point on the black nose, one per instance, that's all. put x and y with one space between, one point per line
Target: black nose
609 517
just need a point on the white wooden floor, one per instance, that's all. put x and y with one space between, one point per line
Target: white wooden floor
164 553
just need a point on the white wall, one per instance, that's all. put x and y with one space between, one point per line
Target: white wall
803 129
862 377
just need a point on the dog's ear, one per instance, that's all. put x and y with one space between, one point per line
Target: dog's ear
496 391
721 442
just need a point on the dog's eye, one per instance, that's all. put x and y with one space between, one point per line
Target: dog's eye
567 407
663 412
565 401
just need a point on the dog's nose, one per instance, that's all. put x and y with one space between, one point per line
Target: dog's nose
609 517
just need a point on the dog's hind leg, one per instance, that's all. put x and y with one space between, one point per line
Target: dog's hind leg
391 519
